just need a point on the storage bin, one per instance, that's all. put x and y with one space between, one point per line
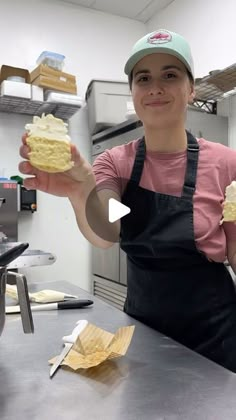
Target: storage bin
51 59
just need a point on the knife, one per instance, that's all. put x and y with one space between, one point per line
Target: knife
69 304
69 341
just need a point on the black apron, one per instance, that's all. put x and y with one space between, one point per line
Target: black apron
171 285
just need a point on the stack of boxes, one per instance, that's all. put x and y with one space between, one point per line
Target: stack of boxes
48 75
48 78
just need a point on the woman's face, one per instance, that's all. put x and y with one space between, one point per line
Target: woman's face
161 90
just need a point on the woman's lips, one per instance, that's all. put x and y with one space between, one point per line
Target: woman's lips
156 103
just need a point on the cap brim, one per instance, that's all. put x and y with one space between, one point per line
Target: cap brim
134 59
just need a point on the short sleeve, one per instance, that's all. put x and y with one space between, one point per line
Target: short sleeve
105 172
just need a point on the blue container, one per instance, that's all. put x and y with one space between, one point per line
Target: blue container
51 59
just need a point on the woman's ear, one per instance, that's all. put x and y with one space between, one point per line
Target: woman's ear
191 94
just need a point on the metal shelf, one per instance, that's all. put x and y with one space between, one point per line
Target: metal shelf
28 107
218 83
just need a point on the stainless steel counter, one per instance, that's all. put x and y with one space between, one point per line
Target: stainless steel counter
158 379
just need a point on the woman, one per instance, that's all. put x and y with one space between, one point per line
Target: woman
174 185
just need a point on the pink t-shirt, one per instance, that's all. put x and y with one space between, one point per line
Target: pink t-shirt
164 173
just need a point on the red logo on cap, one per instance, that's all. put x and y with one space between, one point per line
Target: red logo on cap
160 37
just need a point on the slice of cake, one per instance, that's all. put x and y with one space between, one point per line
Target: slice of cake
229 206
49 144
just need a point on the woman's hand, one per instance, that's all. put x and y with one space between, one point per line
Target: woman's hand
64 184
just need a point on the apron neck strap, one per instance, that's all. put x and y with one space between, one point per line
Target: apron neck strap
139 162
191 167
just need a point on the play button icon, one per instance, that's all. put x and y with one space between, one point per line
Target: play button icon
116 210
102 223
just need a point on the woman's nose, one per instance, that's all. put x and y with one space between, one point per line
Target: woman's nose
156 87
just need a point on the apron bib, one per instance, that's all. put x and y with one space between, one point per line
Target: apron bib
171 285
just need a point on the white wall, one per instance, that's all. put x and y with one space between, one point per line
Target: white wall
96 46
209 27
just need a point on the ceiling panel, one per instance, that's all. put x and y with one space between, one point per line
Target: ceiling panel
141 10
122 8
83 3
151 9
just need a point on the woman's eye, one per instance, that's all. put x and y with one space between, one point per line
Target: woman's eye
143 79
170 75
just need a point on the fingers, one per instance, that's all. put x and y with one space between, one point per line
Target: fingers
26 168
25 135
30 183
75 155
24 151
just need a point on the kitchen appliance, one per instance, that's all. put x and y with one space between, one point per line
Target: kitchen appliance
8 210
9 196
109 266
7 256
29 258
13 195
107 103
27 199
13 198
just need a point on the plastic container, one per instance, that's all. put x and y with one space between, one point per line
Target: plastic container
51 59
16 79
66 98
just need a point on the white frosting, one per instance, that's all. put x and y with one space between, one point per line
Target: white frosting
230 192
48 127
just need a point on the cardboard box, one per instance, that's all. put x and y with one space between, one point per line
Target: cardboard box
48 83
15 89
12 88
49 78
8 71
